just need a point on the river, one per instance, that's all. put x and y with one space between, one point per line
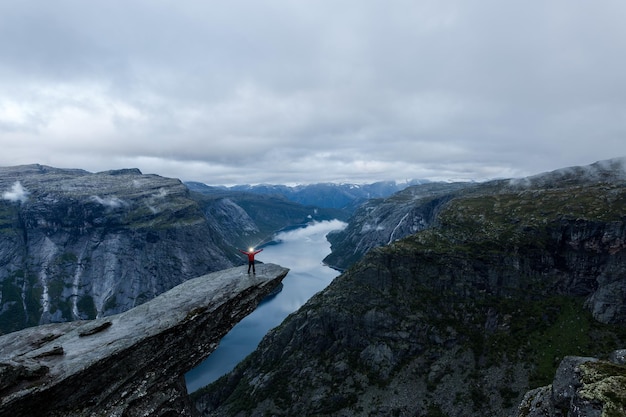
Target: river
300 250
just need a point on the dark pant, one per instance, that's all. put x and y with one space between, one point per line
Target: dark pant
251 264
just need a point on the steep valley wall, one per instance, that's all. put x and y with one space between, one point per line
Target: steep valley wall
458 319
76 245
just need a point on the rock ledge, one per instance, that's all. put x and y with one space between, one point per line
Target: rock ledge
132 363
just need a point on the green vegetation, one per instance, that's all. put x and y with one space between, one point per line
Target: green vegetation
87 306
523 218
21 303
541 332
8 217
435 411
13 315
240 401
177 212
567 334
486 232
32 300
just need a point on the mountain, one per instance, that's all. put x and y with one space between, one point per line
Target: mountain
459 318
329 195
78 245
255 217
381 221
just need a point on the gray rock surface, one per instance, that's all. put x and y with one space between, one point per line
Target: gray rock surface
567 380
133 363
537 403
379 222
77 245
582 387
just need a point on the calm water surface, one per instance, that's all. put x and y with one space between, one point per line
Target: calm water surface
300 250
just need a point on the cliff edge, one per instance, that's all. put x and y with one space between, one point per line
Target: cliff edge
132 363
79 246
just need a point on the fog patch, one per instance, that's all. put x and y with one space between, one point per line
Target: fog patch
17 193
615 164
312 230
610 170
110 202
161 194
520 182
152 202
367 227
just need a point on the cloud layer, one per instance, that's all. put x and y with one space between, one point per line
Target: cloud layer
285 92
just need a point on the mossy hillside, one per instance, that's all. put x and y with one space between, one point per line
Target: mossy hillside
8 217
507 227
502 231
542 332
175 212
518 218
413 320
379 221
531 326
528 232
20 305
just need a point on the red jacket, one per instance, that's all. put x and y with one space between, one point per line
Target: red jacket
250 254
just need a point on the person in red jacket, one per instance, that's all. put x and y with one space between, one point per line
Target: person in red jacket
250 254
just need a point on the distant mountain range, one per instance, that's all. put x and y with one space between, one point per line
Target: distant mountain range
327 195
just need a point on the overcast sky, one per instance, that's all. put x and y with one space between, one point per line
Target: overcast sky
304 91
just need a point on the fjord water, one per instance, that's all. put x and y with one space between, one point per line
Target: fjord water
300 250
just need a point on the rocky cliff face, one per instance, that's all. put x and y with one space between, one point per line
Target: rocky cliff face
76 245
379 222
458 319
133 363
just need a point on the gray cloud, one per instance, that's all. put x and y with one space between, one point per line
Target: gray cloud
280 91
